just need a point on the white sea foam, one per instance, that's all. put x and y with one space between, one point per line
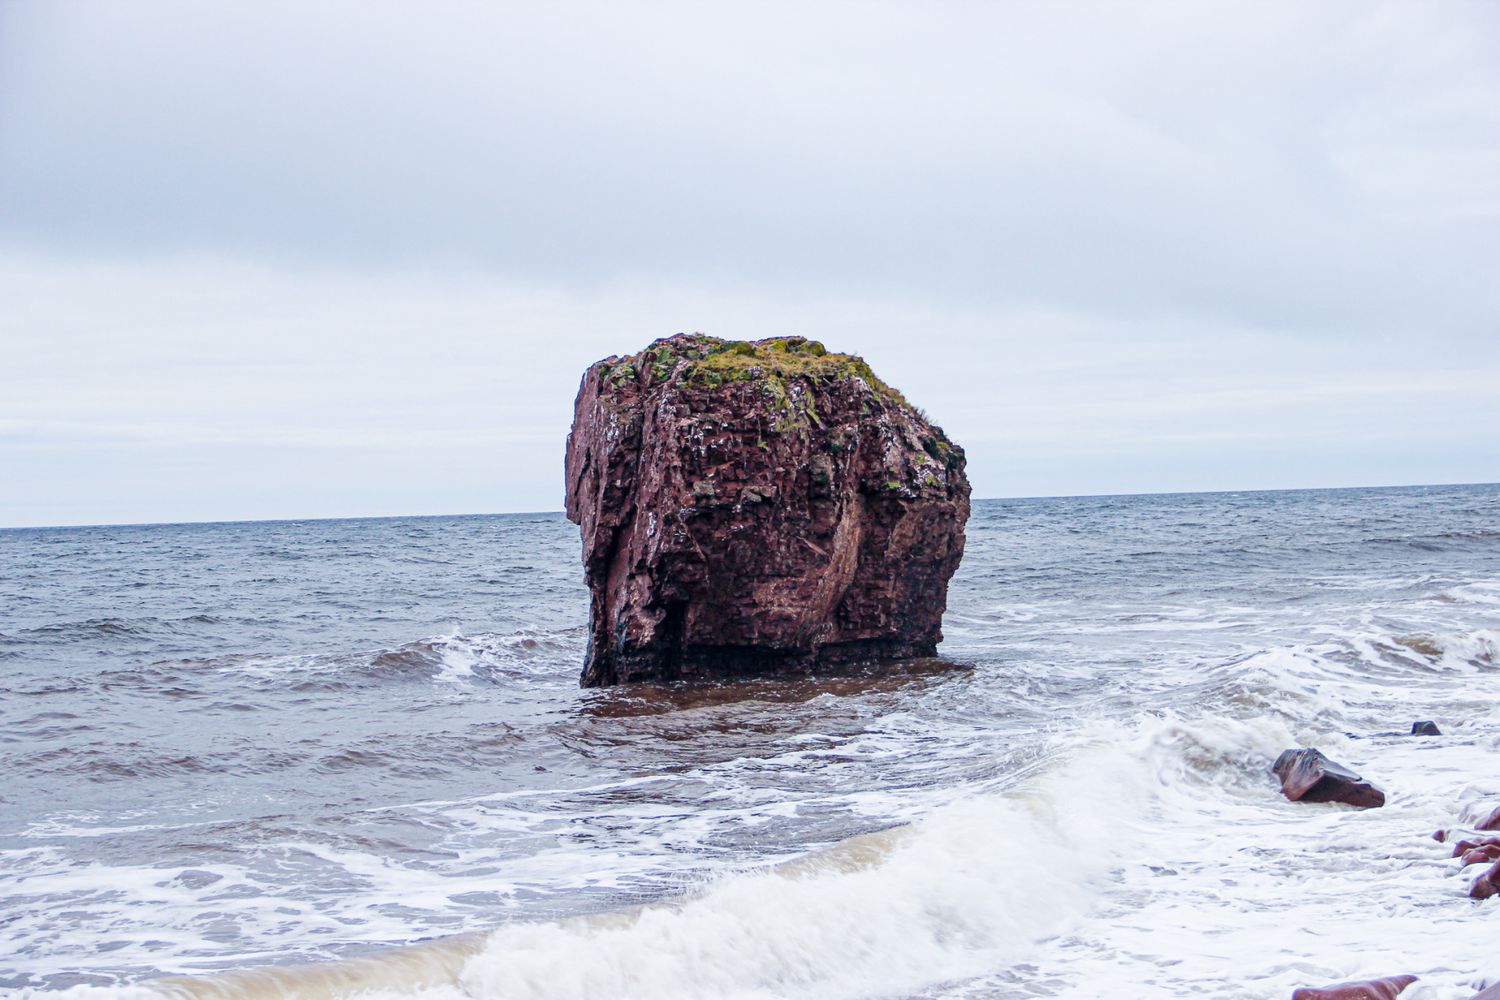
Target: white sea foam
1248 896
1157 861
973 885
456 659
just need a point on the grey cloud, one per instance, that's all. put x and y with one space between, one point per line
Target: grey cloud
1280 162
195 389
283 259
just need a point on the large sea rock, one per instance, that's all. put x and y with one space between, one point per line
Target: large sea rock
758 507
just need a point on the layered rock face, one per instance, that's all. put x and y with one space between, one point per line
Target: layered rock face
757 507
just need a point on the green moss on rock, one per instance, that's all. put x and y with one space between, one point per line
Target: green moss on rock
712 361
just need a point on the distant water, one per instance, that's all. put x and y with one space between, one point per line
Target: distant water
237 745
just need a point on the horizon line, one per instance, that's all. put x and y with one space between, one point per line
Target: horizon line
537 513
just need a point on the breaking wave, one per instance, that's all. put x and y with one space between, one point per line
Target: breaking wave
973 885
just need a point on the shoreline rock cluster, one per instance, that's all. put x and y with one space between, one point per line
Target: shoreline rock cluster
1308 776
758 507
1479 850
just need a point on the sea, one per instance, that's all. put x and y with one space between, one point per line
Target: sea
337 758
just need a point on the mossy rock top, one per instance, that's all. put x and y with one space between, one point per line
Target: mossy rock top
712 361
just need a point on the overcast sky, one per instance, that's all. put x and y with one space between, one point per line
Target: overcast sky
297 259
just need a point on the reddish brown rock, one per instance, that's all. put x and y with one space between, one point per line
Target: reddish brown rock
1465 846
1368 989
1487 884
1307 776
1490 822
1477 855
760 507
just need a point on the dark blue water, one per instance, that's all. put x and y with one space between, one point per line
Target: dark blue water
235 744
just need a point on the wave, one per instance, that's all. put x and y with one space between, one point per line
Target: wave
1167 831
1467 651
1168 823
131 630
91 628
1364 678
484 658
455 659
118 761
972 886
1438 541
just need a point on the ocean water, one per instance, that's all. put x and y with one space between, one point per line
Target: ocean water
302 748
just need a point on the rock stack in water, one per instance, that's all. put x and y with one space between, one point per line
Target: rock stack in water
758 507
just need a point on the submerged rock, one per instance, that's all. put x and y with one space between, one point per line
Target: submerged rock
1308 776
1367 989
755 508
1490 822
1425 728
1488 993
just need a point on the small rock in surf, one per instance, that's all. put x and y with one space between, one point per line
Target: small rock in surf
1487 884
1367 989
1425 728
1480 855
1465 846
1308 776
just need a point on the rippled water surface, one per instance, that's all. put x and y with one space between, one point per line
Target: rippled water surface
237 745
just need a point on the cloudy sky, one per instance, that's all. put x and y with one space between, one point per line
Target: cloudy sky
292 259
